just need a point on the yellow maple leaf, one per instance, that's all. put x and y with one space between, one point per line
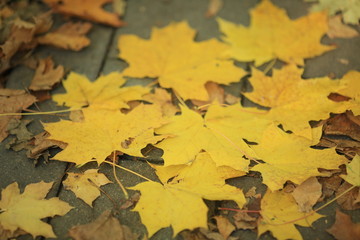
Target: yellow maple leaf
103 132
289 157
278 214
352 89
190 133
84 189
177 61
294 101
105 92
162 98
353 171
180 200
24 211
272 34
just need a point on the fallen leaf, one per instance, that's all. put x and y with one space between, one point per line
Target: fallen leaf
104 227
344 124
278 212
68 36
242 220
21 34
86 9
224 226
43 22
294 101
162 98
352 89
12 101
307 194
353 172
182 197
214 7
132 201
82 184
46 75
24 211
344 228
189 133
339 30
350 9
18 128
105 92
282 151
110 131
270 30
329 186
349 200
216 94
40 143
177 61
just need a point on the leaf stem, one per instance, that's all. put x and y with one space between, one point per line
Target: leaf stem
270 66
38 113
130 171
117 179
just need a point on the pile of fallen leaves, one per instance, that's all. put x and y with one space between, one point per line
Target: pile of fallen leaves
303 136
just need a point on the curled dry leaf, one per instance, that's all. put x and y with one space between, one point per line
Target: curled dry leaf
344 228
339 30
21 34
104 227
40 143
307 194
69 36
224 226
12 101
243 220
86 9
46 75
86 185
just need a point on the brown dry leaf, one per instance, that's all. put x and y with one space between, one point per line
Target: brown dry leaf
21 33
119 7
345 124
104 227
40 143
18 128
344 228
224 226
43 22
214 7
86 185
162 98
69 36
131 201
349 201
46 75
339 30
329 185
12 101
243 220
216 94
86 9
307 194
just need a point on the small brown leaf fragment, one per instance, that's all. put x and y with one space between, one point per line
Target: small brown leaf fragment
43 22
329 185
307 194
46 75
21 34
214 7
86 9
104 227
18 128
344 228
339 30
69 36
349 201
216 94
224 226
40 143
242 220
131 202
12 101
345 124
119 7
